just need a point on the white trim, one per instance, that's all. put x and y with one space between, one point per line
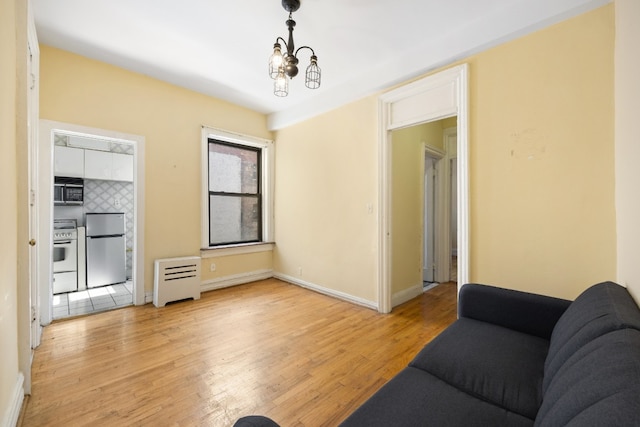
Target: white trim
248 248
452 153
268 159
442 257
235 279
47 130
326 291
434 97
429 286
434 152
12 412
407 294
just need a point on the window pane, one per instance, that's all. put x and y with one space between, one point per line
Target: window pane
234 219
233 169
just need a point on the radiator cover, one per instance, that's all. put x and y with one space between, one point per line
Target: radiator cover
176 279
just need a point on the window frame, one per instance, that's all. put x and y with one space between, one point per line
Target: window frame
265 179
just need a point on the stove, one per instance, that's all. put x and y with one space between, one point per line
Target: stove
65 256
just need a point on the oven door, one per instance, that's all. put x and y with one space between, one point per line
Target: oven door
65 256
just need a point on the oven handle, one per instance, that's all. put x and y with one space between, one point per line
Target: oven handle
66 242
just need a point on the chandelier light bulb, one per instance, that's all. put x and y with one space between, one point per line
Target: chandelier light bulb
275 61
281 83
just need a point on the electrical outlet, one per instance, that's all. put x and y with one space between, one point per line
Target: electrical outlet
116 202
300 271
212 267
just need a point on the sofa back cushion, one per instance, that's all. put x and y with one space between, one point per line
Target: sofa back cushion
602 308
599 385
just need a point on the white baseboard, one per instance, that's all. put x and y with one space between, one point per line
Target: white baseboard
252 276
429 287
330 292
235 279
12 414
406 295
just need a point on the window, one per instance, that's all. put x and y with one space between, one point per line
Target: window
237 181
235 212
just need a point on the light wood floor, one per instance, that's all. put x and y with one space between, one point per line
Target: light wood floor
269 348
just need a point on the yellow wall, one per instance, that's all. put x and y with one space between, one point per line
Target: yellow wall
233 265
85 92
11 29
541 171
542 167
627 60
326 199
407 189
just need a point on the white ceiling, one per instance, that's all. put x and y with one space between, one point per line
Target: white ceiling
221 48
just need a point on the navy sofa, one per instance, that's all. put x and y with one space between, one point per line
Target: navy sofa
518 359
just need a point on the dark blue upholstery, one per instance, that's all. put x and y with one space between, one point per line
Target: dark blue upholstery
499 365
599 385
602 308
521 311
255 421
416 398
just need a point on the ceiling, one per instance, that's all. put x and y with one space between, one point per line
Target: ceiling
221 48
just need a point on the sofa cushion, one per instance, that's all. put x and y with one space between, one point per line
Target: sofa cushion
496 364
598 386
602 308
416 398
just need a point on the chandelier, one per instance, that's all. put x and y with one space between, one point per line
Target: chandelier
283 67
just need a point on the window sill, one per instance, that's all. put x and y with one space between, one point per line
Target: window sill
245 248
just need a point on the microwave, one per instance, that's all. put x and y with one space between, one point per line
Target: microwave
68 191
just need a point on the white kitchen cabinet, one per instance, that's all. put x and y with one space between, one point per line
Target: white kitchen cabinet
68 161
122 167
108 166
97 164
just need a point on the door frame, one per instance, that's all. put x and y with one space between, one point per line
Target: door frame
441 219
47 130
438 96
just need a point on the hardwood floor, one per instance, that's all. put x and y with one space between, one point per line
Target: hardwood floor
268 348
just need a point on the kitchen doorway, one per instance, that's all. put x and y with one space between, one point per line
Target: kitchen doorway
92 173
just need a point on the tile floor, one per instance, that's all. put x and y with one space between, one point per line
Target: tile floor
92 300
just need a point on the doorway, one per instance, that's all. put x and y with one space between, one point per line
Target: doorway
99 174
420 226
106 191
432 98
441 214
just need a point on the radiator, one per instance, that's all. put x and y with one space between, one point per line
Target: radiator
176 279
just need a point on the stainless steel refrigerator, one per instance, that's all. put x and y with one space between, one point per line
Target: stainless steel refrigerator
106 249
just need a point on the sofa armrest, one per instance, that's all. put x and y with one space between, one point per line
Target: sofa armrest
521 311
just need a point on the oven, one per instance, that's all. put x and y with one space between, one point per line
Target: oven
65 256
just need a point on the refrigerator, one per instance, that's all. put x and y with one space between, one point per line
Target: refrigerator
106 249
